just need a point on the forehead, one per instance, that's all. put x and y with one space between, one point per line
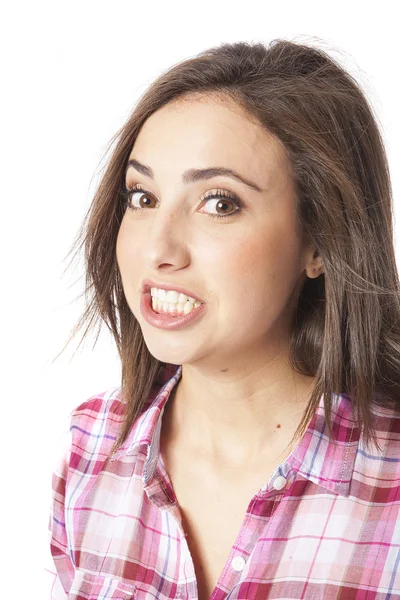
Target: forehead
206 131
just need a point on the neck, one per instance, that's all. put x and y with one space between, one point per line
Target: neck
237 417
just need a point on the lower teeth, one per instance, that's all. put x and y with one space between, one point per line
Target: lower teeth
183 309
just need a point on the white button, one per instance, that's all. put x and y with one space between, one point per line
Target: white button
279 483
238 563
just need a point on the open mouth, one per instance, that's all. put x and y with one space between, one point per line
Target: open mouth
166 314
169 320
174 310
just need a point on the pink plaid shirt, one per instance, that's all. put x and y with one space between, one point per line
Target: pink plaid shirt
324 526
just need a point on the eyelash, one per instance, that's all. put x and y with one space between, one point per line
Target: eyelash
220 194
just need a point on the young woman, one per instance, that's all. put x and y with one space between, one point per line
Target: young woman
240 249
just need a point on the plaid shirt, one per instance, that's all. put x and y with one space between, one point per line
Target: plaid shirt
324 526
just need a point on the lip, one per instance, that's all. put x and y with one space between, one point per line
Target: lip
165 321
149 283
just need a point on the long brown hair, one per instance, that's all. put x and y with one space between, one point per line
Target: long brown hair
346 327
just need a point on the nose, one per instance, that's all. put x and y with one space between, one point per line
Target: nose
167 235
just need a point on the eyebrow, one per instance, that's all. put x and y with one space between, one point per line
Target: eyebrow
192 175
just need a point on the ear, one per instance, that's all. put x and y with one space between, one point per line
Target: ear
313 264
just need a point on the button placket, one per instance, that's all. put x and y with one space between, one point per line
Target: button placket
238 563
279 483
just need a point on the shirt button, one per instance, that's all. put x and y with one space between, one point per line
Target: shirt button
238 563
279 483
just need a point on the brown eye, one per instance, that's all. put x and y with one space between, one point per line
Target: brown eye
139 199
221 199
138 195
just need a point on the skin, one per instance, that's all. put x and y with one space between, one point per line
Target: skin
237 385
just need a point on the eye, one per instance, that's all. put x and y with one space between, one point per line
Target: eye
219 198
222 198
137 192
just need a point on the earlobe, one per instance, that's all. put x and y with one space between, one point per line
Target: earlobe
315 270
315 267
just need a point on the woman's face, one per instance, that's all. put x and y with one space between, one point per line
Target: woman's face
246 267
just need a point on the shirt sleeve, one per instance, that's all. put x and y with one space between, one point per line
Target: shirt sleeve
59 569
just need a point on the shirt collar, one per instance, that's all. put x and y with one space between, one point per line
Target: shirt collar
328 463
147 427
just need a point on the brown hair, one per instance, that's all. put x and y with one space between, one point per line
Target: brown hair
346 327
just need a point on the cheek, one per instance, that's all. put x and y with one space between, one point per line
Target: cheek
260 270
127 242
251 258
125 250
120 247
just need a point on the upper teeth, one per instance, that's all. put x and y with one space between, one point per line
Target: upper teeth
171 296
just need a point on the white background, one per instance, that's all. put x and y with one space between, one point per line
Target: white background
71 73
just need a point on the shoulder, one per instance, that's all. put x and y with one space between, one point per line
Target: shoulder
95 424
107 405
383 462
386 422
